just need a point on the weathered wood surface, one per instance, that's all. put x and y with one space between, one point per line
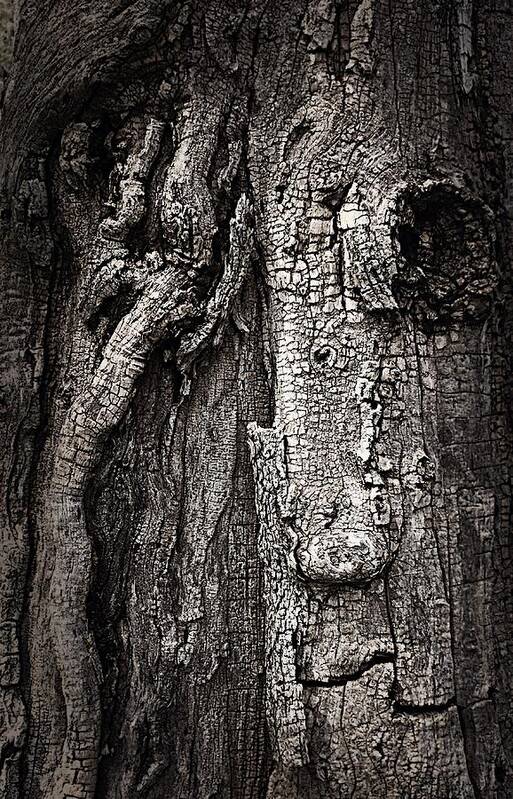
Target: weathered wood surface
256 401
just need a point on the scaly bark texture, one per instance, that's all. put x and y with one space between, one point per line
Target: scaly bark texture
256 400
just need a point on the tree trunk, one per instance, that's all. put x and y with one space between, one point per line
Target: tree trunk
256 400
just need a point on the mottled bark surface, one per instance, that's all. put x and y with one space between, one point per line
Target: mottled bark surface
256 400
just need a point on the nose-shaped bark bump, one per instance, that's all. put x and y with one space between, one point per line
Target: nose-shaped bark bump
340 555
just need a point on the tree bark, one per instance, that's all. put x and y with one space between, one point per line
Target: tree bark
256 400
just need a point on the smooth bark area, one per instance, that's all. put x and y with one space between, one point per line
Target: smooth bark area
256 400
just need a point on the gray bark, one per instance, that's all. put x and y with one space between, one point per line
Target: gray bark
256 400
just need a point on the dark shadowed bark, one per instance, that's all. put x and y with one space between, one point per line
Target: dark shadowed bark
256 400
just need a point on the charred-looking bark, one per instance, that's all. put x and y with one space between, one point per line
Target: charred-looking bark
256 348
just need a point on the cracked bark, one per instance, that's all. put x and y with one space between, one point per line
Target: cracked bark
256 347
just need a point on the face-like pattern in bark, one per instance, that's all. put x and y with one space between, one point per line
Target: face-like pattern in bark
351 290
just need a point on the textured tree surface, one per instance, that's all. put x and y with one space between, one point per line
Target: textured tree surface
256 411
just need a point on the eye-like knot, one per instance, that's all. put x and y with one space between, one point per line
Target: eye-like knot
324 355
445 255
327 356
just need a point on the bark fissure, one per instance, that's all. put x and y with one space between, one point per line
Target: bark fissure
345 678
